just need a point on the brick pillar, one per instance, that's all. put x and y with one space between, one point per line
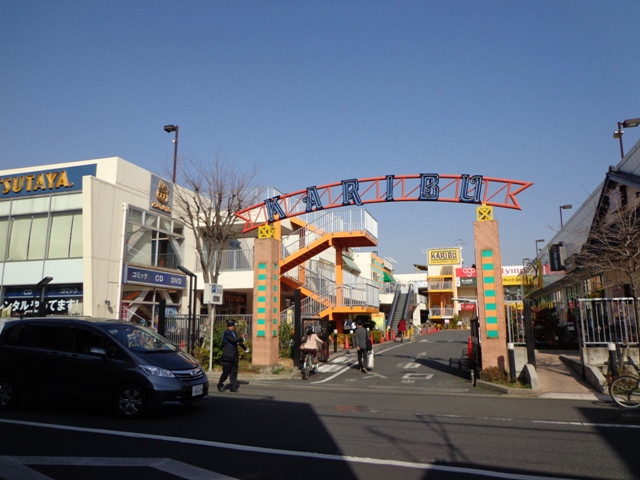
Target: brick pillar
266 301
493 327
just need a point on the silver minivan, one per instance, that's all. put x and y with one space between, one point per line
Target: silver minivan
95 360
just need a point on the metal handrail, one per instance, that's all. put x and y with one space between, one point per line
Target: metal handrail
329 222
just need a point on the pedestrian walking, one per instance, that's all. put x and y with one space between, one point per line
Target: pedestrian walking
230 342
402 329
361 345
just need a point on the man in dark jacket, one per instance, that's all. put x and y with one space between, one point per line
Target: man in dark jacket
361 345
230 342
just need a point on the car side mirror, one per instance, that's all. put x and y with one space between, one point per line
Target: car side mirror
98 351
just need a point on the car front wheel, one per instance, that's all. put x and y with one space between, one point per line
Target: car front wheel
130 401
8 394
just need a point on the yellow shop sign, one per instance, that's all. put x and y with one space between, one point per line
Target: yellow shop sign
444 256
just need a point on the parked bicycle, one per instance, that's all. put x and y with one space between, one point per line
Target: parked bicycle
625 390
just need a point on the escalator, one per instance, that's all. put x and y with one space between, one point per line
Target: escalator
400 307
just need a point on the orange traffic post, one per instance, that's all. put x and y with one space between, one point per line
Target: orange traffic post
346 341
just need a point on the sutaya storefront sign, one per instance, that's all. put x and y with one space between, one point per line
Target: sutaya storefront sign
428 187
33 183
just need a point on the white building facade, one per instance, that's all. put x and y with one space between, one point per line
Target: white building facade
101 234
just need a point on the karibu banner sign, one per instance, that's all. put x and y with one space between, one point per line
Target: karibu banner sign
421 187
443 256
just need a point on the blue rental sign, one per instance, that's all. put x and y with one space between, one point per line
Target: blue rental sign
154 278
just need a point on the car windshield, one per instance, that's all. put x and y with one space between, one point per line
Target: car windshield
141 339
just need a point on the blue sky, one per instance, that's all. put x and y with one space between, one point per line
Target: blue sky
314 92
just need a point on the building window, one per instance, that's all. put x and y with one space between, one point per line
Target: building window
4 230
65 240
19 238
36 237
151 240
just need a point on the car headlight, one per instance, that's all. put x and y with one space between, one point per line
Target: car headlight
157 371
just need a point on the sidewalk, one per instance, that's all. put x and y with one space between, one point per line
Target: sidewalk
557 380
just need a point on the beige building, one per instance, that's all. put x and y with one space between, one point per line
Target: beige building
95 232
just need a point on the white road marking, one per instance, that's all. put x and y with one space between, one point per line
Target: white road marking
341 359
378 352
339 372
408 365
329 368
371 374
418 376
16 467
321 456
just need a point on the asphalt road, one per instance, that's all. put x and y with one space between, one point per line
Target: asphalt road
428 363
345 426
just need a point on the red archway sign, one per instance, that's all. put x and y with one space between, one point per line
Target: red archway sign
462 188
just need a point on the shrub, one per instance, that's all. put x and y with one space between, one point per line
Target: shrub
494 374
285 334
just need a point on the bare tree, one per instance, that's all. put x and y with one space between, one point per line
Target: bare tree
210 195
613 245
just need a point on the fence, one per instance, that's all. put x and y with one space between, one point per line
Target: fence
177 328
515 323
232 260
608 320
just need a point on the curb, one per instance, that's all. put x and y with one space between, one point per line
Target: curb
522 392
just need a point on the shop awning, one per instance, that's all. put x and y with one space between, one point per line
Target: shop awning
388 277
349 264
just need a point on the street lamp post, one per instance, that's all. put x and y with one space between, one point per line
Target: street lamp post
629 123
169 129
537 242
193 286
42 310
564 207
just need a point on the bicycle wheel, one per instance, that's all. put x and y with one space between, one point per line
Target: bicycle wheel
306 369
625 391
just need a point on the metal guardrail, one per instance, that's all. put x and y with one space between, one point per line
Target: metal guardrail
435 284
441 312
608 320
232 260
358 295
329 222
515 323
